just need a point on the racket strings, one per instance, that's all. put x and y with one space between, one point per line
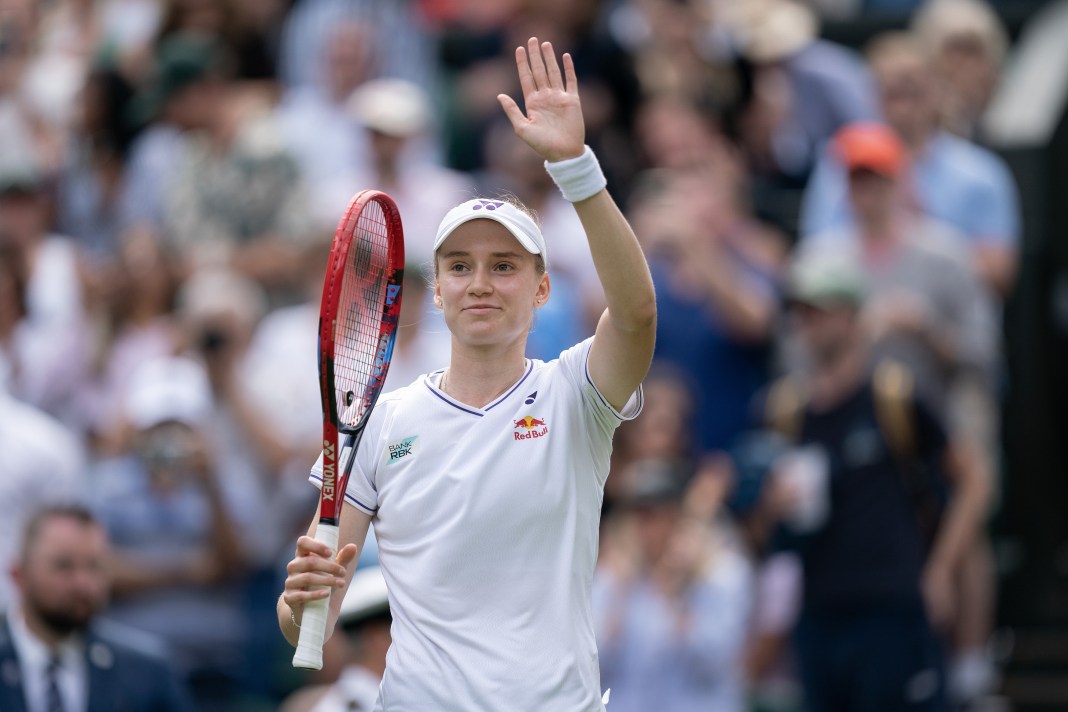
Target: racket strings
357 337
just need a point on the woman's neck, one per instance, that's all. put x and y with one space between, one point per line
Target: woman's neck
478 376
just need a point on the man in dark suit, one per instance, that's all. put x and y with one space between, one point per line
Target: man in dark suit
53 658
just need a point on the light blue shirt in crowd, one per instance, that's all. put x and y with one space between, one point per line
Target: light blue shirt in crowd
306 33
656 663
955 181
203 626
149 170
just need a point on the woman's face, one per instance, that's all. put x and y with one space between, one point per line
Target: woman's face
487 285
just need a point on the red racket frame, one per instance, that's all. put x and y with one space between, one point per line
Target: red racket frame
335 480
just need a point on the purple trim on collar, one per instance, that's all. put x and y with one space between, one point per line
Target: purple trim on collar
468 409
530 369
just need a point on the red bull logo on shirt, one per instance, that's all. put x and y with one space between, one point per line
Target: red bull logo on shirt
529 427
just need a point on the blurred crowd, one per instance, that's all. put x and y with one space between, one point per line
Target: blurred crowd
798 515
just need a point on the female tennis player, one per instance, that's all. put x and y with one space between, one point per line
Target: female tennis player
484 480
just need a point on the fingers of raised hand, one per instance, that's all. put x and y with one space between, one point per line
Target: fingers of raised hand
552 67
537 64
526 79
569 73
540 70
511 110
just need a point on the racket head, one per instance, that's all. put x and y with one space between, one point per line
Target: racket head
358 319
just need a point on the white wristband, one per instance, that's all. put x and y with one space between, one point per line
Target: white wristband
578 178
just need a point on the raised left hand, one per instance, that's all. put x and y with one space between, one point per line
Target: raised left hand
553 125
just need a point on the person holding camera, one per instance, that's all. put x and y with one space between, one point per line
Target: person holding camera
178 562
220 313
670 597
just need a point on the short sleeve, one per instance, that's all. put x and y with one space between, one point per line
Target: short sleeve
575 364
992 207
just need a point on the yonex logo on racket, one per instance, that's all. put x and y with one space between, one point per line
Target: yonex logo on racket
487 204
329 470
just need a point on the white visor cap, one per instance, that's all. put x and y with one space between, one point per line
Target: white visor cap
521 225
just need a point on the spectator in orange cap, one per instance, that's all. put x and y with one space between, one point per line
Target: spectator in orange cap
952 179
927 307
873 147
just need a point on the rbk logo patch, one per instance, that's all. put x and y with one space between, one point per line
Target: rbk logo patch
404 448
529 427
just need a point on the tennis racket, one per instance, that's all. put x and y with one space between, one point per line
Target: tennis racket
357 327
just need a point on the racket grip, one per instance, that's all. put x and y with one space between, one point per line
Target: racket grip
309 653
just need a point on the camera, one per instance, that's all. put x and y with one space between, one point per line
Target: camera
167 448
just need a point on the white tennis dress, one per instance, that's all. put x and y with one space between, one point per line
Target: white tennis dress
487 527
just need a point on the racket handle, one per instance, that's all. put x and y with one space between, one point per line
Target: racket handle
309 653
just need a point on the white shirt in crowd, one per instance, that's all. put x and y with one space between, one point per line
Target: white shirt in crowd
72 675
34 447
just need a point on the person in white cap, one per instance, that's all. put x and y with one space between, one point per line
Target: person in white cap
396 118
484 480
178 527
